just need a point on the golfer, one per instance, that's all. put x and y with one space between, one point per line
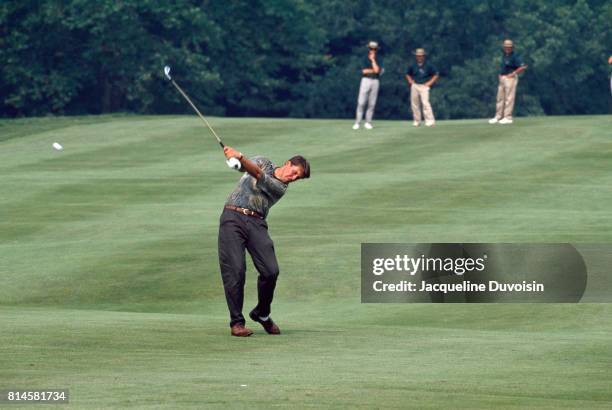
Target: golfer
371 70
243 226
610 62
511 67
421 76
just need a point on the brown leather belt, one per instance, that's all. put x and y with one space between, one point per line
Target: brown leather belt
244 211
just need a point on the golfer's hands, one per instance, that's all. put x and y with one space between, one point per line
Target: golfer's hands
231 153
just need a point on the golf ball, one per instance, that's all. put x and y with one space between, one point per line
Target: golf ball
57 146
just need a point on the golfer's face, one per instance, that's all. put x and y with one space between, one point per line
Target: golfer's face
507 50
420 59
292 172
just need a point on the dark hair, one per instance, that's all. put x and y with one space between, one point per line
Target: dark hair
303 162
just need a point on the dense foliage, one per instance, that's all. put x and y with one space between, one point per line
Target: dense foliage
296 58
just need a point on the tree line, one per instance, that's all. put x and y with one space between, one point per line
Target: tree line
297 58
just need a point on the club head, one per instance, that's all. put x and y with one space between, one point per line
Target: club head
167 72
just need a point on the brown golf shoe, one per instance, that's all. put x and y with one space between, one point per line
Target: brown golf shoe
240 330
268 325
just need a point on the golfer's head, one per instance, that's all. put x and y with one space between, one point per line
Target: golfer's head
293 169
508 46
419 55
372 47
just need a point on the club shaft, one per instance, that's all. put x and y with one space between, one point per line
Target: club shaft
180 90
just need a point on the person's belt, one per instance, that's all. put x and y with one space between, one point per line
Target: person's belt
244 211
372 76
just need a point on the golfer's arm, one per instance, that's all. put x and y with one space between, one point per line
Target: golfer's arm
433 80
409 79
251 167
367 71
520 69
375 67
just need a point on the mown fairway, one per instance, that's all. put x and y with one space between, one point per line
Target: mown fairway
109 282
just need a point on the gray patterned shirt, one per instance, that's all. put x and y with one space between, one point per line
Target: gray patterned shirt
258 195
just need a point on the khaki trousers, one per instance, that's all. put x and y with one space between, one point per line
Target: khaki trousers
506 93
419 95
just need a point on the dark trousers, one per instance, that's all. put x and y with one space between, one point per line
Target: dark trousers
238 232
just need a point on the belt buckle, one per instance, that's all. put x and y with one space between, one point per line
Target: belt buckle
245 211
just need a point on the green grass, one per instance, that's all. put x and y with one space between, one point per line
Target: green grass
109 281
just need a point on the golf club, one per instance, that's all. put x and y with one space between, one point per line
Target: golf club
232 162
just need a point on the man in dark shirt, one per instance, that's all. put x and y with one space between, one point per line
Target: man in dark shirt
511 66
243 226
610 63
371 70
421 76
